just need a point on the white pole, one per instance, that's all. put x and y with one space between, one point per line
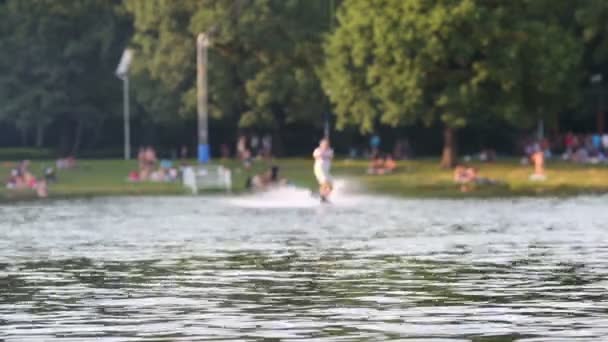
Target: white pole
202 43
540 130
122 71
126 117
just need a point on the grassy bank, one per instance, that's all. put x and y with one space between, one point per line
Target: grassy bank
420 178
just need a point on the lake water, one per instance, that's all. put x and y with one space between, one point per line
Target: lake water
284 268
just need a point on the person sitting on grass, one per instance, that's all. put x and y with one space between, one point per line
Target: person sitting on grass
169 173
49 175
376 165
247 159
23 167
265 180
134 176
157 175
382 166
390 164
40 186
165 173
15 181
463 177
474 175
22 179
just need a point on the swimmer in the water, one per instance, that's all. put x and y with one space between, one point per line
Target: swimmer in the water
323 156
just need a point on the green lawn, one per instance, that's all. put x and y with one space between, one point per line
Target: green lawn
420 178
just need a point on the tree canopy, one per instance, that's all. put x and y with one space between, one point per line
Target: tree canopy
281 65
58 62
397 62
262 58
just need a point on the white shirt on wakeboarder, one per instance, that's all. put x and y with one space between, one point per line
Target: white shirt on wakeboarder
322 164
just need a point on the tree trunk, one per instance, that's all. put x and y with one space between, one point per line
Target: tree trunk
24 139
39 135
278 147
96 137
77 137
448 156
555 125
64 142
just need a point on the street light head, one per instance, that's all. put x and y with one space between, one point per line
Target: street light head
596 78
125 62
202 40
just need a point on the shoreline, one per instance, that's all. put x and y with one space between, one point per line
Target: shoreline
413 179
397 193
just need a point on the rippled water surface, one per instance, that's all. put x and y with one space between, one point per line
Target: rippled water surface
371 270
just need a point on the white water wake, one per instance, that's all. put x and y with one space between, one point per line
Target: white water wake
295 197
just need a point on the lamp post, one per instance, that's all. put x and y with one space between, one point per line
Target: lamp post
596 80
540 130
203 41
326 125
122 71
202 45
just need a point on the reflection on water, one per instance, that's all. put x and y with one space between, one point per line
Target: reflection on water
197 269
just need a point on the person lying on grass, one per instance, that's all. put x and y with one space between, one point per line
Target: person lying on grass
467 177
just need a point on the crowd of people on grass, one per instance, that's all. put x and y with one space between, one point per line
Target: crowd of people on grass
153 170
251 147
401 149
577 148
22 178
467 177
382 164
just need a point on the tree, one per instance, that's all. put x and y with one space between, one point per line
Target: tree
58 64
261 63
397 62
590 19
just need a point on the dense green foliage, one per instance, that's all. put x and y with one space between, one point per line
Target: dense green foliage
57 64
262 59
281 65
448 61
